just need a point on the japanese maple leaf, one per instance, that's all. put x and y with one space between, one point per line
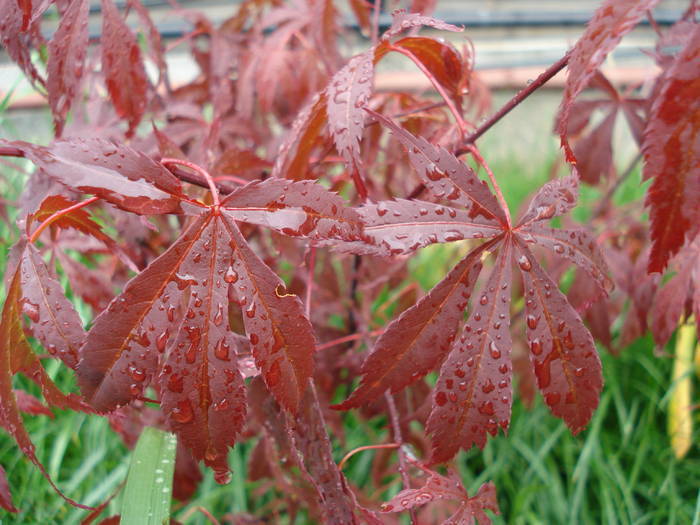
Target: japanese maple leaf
680 291
671 148
442 488
341 102
473 394
170 325
593 144
611 21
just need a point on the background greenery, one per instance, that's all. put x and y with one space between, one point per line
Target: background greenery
621 469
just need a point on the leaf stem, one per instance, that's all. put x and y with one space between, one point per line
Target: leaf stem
602 205
477 156
57 215
450 103
347 339
232 178
360 449
310 281
396 430
375 21
528 90
198 169
9 151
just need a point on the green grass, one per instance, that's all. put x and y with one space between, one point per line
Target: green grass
620 470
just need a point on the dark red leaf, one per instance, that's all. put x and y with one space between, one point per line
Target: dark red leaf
29 404
438 487
301 208
79 220
419 339
403 21
15 38
594 151
611 21
202 391
670 300
112 171
555 198
234 161
281 337
5 494
122 65
440 58
562 352
187 475
445 176
349 90
576 245
293 157
54 320
402 226
153 35
67 53
315 456
123 345
16 355
475 506
119 349
473 394
672 156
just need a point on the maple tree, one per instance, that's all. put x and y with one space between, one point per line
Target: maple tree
220 226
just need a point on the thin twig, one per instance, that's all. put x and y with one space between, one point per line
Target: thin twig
360 449
528 90
347 339
612 189
396 429
197 180
310 281
475 153
375 22
198 169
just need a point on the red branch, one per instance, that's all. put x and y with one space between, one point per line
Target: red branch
528 90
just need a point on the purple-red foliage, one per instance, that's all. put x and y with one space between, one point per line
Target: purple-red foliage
275 197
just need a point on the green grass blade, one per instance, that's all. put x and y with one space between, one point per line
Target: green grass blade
149 484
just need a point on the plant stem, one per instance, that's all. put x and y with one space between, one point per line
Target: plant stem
198 169
347 339
396 429
612 189
59 214
9 151
360 449
375 21
475 153
310 281
528 90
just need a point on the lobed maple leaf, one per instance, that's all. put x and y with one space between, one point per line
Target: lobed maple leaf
112 171
671 148
125 75
350 89
610 22
473 393
442 488
5 494
678 295
32 292
593 144
170 325
67 53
